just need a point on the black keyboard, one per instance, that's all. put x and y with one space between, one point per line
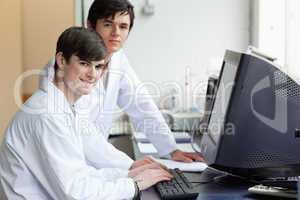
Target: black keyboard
178 188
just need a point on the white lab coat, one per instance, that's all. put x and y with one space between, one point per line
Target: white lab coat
123 89
43 155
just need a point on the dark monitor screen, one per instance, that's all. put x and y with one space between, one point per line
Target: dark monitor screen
221 101
219 106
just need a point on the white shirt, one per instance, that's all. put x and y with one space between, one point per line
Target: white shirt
124 90
44 155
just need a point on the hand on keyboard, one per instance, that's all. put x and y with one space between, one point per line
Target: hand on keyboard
178 188
179 155
144 161
137 170
149 177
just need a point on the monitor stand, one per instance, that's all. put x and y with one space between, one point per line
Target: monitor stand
232 180
213 175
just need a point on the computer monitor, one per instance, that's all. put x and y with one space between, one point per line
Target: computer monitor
254 127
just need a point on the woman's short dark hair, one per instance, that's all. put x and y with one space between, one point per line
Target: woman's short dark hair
102 9
78 41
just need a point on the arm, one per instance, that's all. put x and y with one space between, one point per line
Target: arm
146 117
143 112
100 153
61 153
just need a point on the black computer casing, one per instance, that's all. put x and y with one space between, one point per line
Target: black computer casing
264 109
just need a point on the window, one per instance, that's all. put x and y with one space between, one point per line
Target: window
81 11
276 31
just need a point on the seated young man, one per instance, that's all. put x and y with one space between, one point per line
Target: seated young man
42 155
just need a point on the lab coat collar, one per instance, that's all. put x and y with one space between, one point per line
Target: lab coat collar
47 75
57 102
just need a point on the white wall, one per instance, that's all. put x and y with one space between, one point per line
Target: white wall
192 33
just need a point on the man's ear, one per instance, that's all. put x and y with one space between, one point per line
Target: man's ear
60 61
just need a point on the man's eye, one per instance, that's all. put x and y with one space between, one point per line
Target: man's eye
99 67
124 27
107 24
85 64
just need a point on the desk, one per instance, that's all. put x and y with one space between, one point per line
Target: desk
209 191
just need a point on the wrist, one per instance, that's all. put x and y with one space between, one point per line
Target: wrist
131 166
130 174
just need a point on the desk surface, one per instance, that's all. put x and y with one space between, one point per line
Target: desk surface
208 191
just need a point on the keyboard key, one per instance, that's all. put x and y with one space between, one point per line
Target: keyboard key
178 188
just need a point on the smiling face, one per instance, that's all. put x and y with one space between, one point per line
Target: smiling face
77 77
114 31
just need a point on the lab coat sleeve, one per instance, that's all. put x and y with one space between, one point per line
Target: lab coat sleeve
68 173
100 153
138 104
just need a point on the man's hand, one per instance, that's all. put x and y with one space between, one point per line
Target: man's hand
179 155
149 177
138 163
147 172
155 165
146 161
